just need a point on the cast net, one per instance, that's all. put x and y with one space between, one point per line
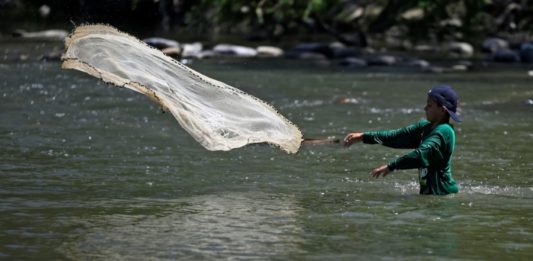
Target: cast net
218 116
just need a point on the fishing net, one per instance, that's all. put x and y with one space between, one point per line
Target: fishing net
218 116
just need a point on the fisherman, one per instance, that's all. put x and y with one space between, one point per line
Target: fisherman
433 141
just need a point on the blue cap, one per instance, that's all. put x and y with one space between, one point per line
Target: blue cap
446 97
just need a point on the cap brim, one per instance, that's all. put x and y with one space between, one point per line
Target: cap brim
453 115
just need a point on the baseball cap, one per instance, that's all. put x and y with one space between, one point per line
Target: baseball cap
446 96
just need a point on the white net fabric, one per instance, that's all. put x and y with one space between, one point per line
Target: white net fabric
218 116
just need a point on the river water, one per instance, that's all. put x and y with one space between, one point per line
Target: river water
89 171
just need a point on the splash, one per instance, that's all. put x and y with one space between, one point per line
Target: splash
218 116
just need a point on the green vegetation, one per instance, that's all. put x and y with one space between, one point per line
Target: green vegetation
351 22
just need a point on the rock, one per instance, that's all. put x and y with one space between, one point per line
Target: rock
490 45
345 52
382 60
235 50
318 48
413 14
353 62
191 50
51 35
435 69
526 53
418 63
305 55
269 51
54 55
461 49
459 68
505 56
161 43
425 48
174 52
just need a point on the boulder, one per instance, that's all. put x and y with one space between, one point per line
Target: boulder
235 50
318 48
381 60
353 62
461 49
505 56
526 53
51 35
269 51
191 50
491 45
161 43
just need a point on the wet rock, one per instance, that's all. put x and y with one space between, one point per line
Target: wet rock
205 54
382 60
435 69
161 43
54 55
461 49
418 63
505 56
317 48
425 48
50 35
491 45
191 50
526 53
269 51
235 50
353 62
345 52
174 52
305 55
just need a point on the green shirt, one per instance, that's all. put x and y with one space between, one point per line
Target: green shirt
432 154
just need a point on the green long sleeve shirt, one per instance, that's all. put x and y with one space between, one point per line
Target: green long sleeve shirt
432 154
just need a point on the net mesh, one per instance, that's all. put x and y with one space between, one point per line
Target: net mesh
218 116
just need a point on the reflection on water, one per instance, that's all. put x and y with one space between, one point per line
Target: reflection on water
227 226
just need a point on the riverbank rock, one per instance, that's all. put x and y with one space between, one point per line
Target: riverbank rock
235 50
353 62
161 43
461 49
48 35
269 51
505 56
491 45
381 60
526 53
191 50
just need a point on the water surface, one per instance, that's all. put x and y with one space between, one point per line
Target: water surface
89 171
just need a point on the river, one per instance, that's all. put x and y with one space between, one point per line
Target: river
89 171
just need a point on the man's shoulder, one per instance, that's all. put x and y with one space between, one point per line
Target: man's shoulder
445 130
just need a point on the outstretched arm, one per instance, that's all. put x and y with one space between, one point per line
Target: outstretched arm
352 138
381 170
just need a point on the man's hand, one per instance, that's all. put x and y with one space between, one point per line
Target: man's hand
382 170
352 138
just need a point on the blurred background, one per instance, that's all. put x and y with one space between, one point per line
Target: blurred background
394 23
